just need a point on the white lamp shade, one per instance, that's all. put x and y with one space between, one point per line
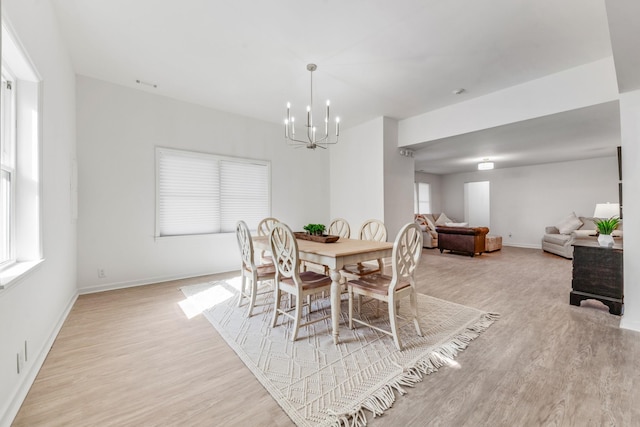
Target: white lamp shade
606 210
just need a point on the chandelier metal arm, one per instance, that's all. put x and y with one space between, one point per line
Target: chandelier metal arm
312 141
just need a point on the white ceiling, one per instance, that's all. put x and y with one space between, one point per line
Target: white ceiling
375 57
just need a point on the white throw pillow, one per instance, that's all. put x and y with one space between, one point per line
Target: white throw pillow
569 224
430 224
442 219
457 224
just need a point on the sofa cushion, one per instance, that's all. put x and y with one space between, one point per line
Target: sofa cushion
443 219
584 233
587 223
430 223
569 224
457 224
557 239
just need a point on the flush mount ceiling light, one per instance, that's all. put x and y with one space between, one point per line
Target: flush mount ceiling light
485 165
312 140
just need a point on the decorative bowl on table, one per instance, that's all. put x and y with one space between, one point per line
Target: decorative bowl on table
325 238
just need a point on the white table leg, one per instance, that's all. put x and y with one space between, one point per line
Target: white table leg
336 290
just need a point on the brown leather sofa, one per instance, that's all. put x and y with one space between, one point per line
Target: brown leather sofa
470 240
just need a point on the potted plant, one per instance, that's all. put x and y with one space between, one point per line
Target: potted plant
605 228
314 229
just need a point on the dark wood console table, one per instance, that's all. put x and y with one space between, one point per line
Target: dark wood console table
598 275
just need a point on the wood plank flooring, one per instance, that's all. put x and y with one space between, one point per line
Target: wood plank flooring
131 357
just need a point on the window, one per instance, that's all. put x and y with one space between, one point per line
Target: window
422 197
204 193
20 230
7 167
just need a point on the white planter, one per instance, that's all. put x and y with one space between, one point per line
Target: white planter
605 240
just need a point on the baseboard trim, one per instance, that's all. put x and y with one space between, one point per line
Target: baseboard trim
629 324
522 245
34 368
142 282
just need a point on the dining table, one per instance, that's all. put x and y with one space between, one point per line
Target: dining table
335 255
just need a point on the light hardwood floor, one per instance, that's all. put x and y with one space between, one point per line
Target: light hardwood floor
132 358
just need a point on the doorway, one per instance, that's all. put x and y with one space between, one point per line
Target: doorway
477 206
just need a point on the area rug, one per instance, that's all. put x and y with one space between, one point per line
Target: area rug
318 383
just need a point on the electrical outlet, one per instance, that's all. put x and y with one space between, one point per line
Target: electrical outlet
101 273
20 360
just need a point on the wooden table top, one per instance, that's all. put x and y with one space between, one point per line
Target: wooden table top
342 247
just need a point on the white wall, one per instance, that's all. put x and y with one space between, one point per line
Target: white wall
525 200
398 182
357 175
33 309
118 130
435 183
630 121
588 84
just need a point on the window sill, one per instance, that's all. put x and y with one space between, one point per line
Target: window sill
13 274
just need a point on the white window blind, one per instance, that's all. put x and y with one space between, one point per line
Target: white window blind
203 193
244 189
422 198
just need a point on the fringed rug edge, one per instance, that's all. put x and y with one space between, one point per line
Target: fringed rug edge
384 398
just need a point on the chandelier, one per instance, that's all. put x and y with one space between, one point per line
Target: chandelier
313 137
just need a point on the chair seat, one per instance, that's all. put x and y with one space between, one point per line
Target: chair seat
264 270
377 283
310 280
361 269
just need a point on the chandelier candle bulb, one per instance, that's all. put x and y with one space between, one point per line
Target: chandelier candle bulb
337 126
312 139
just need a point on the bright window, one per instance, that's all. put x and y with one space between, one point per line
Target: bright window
422 198
7 166
201 193
20 229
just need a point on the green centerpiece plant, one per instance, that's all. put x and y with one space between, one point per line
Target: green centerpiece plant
315 229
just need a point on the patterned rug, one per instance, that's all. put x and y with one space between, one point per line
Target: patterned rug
320 384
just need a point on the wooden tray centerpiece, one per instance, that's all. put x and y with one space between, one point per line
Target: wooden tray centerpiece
325 238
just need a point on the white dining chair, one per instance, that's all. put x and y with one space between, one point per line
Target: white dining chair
290 280
339 227
405 257
264 228
249 270
373 230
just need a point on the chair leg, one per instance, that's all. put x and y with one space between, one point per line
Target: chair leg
243 282
393 321
414 310
254 291
350 291
296 324
277 294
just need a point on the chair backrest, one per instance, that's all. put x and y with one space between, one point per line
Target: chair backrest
265 226
245 244
284 249
340 227
406 253
373 229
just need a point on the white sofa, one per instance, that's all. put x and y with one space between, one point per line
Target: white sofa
558 239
